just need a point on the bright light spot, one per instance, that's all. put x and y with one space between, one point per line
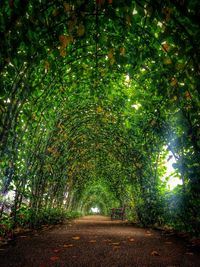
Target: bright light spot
95 210
7 100
136 106
127 79
10 196
10 64
173 181
134 12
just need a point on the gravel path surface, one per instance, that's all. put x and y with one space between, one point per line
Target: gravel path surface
96 241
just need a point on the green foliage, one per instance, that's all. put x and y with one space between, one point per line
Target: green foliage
50 216
182 211
91 93
27 218
6 228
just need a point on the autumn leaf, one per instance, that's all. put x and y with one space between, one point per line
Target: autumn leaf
63 52
111 53
65 40
100 2
68 245
81 30
111 56
165 47
167 61
76 237
188 95
155 253
50 149
173 82
54 258
122 51
148 233
116 243
67 7
46 66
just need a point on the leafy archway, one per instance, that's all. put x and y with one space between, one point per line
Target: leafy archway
95 93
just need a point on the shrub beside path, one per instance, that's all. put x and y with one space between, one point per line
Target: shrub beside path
95 241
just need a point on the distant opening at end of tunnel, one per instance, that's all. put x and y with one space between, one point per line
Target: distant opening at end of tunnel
95 210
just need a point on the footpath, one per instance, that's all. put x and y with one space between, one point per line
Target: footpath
96 241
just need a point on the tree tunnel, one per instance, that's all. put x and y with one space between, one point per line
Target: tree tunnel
96 97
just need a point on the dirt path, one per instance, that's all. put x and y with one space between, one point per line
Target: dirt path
96 241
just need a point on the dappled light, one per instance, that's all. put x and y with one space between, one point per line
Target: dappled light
171 175
99 109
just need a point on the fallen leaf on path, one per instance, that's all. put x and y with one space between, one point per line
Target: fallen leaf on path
116 243
68 245
54 258
92 241
76 237
149 234
155 253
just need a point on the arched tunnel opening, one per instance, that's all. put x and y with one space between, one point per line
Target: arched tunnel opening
97 99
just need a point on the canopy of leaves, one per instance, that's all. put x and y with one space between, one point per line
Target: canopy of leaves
92 93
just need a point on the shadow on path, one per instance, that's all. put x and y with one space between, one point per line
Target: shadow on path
97 241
